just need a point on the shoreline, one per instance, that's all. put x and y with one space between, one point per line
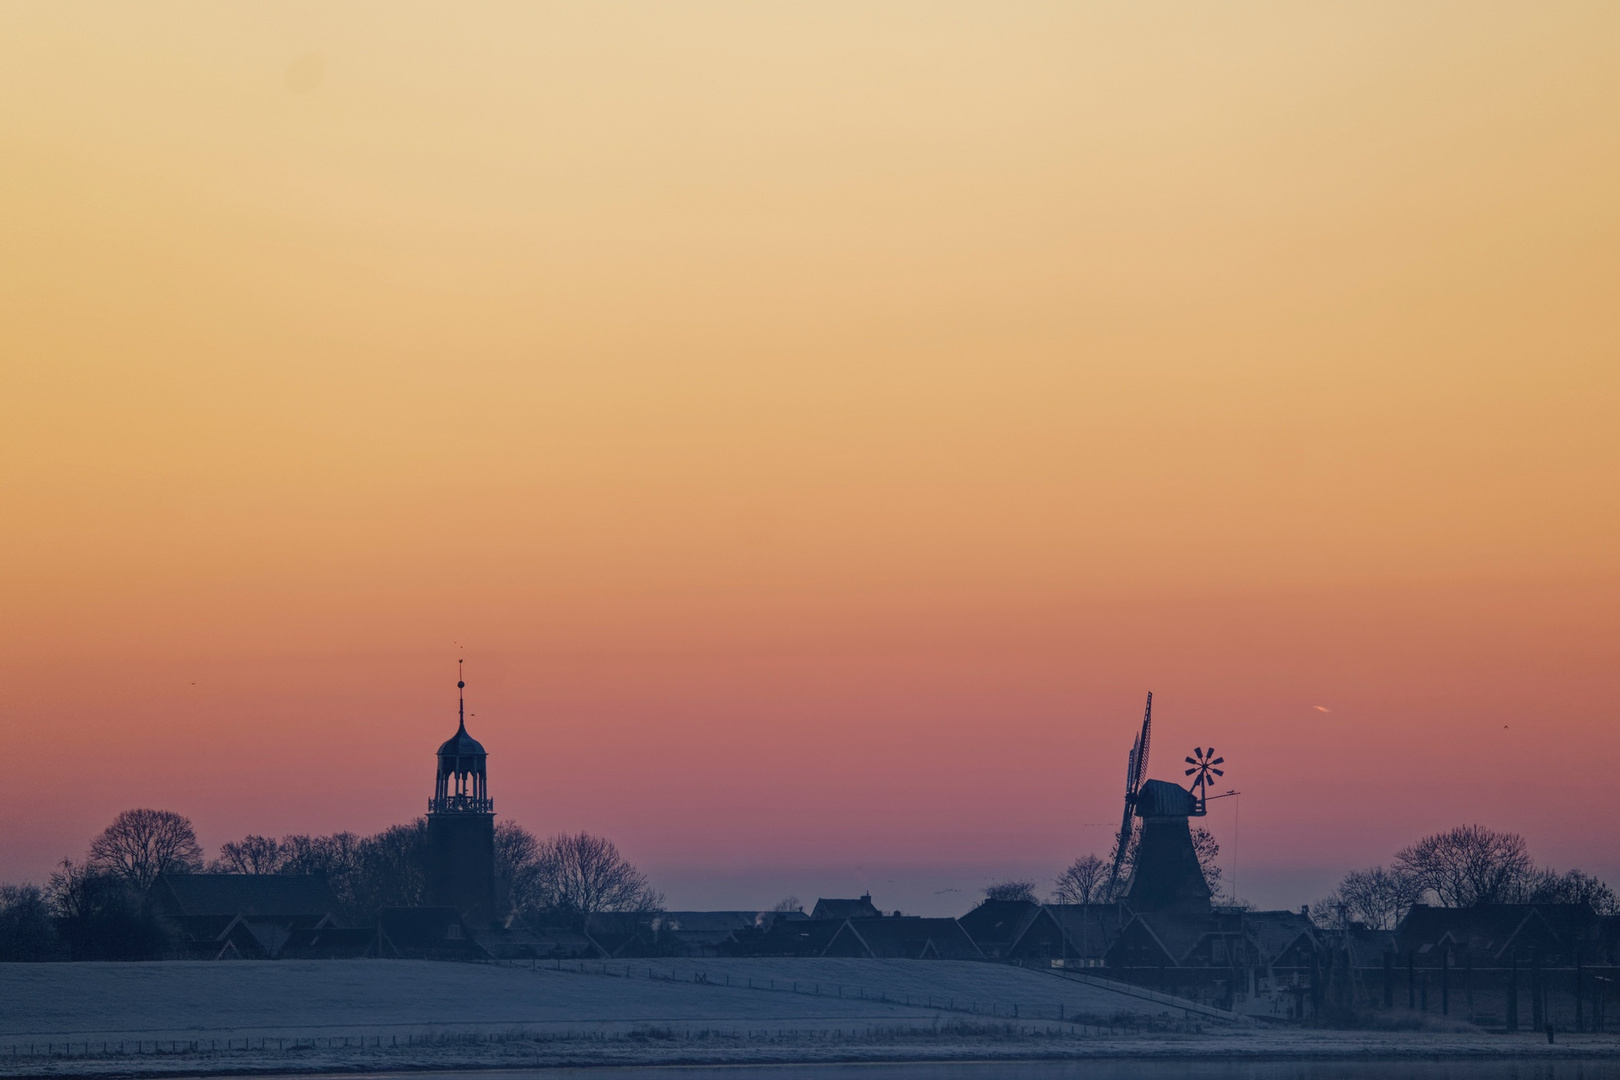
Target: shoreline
529 1057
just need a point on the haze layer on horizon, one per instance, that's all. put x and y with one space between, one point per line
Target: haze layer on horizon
818 427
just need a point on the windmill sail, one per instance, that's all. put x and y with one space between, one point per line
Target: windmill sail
1135 769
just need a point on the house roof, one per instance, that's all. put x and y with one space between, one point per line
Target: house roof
1270 933
795 937
427 929
1273 932
996 925
914 937
244 894
1365 945
1494 929
1088 929
860 908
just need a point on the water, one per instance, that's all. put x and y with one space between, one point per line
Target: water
1472 1069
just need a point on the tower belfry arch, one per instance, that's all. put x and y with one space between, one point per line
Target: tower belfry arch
461 824
462 784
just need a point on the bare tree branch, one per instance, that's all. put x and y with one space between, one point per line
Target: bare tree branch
141 844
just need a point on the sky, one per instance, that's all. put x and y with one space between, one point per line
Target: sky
818 426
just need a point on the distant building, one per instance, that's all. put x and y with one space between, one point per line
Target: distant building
1165 875
909 937
427 933
1065 935
255 917
1495 935
461 828
904 937
1259 962
861 908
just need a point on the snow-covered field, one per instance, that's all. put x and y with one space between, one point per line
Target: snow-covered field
293 1000
319 1016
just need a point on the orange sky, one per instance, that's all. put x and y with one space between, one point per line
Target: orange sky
818 426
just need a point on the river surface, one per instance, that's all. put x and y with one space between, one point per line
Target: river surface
1474 1069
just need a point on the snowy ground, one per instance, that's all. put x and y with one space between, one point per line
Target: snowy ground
401 998
325 1016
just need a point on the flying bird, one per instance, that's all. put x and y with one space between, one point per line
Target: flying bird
1321 708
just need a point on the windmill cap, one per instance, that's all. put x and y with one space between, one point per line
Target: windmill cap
1161 798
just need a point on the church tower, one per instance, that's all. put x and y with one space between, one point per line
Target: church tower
461 827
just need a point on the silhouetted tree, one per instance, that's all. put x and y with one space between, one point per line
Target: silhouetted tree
1011 890
789 903
517 857
26 930
1375 897
1208 852
389 869
101 916
1084 882
1467 866
581 874
141 844
1575 887
250 855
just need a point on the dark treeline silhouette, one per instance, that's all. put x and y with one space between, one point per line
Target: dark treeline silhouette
1469 866
96 909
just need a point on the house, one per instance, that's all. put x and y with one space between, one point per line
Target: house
786 937
1083 933
895 937
1494 935
427 933
908 937
861 908
1260 962
254 916
997 925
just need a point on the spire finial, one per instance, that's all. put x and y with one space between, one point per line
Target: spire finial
461 698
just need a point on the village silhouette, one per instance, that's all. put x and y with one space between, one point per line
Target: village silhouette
1463 925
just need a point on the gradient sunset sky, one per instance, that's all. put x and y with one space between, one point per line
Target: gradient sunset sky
817 425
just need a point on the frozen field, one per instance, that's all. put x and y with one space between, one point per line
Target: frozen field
177 1019
405 998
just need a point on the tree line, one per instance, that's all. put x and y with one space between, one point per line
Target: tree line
1465 867
1090 879
94 908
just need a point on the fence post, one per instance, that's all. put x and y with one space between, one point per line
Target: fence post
1538 1003
1511 1011
1580 1010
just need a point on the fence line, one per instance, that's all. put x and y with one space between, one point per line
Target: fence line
108 1048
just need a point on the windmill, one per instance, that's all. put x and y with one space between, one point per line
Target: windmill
1135 769
1203 771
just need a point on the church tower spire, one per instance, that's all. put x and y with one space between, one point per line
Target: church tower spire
461 824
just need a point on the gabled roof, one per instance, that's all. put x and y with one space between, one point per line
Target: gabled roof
1366 946
860 908
1274 932
1268 933
909 937
435 931
1497 930
996 925
1088 929
723 923
243 894
792 937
